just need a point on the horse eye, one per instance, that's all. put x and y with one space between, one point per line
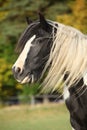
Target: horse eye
38 41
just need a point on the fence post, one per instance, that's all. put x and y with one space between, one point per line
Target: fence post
32 100
45 99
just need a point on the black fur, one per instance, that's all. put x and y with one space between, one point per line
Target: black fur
77 106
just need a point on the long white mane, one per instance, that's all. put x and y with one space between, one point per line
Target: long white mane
68 55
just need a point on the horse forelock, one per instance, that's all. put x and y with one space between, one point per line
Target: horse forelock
68 55
24 37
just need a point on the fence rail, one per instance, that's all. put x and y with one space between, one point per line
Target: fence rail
31 99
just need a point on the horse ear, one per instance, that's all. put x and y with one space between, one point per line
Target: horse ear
29 21
44 24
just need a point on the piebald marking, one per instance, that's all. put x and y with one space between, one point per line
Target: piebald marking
85 79
66 93
21 59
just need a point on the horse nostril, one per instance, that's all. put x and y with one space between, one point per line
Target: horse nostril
18 70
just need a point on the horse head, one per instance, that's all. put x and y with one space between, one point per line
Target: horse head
34 46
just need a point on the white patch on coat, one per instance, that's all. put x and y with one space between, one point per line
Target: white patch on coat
21 59
66 93
85 78
73 128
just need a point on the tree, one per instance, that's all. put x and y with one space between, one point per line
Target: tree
77 17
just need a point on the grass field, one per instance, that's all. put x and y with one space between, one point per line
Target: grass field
40 117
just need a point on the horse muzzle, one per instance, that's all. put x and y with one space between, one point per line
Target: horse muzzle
21 76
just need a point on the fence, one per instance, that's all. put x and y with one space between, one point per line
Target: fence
31 99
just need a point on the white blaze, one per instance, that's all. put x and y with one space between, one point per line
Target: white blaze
21 59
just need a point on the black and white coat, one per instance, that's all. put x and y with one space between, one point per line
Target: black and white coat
76 102
34 46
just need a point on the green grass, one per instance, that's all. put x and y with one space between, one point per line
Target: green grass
44 117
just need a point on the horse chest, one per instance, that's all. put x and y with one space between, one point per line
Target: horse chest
77 106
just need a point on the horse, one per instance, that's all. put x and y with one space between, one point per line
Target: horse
59 52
